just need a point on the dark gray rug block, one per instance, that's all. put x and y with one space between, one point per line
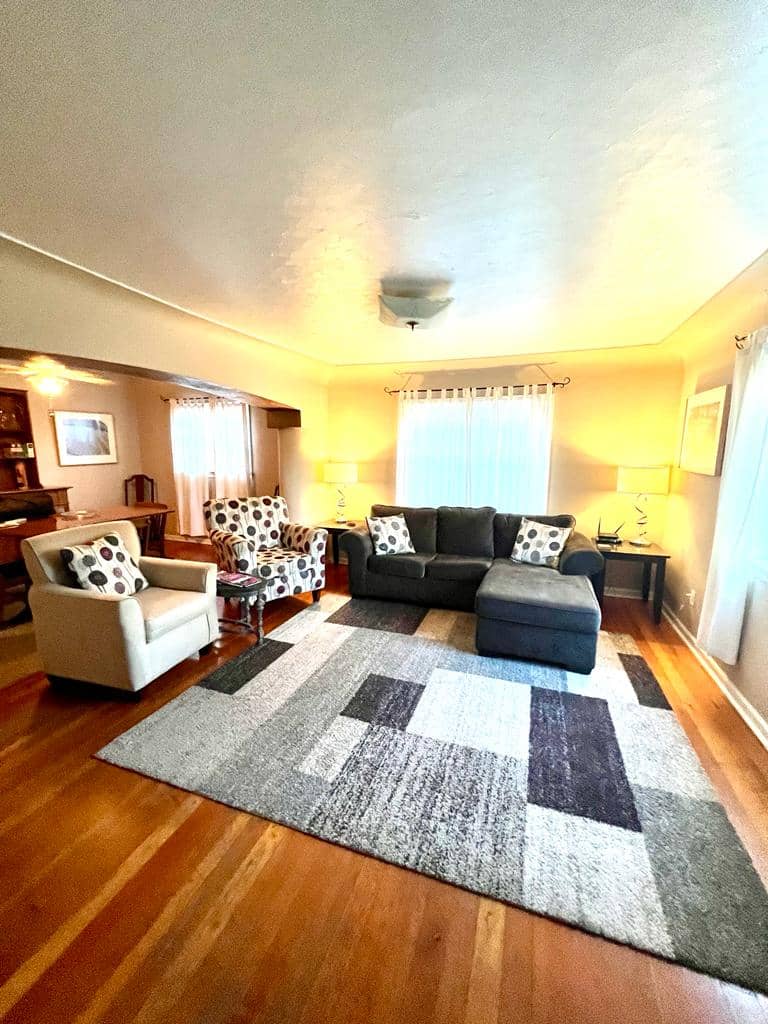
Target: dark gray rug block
644 682
575 763
384 701
231 677
714 902
579 797
387 615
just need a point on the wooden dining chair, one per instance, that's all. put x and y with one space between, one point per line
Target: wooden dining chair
143 488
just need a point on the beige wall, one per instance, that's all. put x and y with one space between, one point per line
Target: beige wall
92 486
706 345
609 414
48 307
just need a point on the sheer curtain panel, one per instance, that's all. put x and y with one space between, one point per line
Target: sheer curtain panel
485 446
210 440
740 546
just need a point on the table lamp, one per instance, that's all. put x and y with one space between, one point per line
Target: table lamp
340 473
642 481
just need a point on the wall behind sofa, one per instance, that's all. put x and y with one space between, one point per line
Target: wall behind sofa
619 407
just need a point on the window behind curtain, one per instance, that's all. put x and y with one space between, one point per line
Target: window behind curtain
465 448
212 455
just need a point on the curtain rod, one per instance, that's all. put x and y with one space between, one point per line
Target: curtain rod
740 339
484 387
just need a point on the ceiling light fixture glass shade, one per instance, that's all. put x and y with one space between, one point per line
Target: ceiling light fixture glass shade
416 313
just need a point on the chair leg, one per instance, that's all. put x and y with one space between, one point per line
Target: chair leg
316 596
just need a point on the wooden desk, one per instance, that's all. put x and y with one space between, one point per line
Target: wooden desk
12 536
650 556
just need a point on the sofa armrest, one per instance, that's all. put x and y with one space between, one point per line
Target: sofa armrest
309 540
359 547
233 552
580 557
83 613
177 574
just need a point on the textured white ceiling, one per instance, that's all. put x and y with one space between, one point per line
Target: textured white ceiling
584 174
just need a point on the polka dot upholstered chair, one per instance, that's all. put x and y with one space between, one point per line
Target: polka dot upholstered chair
254 535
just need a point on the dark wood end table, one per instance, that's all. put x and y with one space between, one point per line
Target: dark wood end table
336 529
650 556
244 595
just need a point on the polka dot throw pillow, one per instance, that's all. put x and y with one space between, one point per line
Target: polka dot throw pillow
390 535
104 566
540 544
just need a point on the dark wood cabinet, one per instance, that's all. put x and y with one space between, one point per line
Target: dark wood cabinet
18 460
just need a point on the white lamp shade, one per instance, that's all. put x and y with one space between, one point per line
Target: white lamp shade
643 480
340 472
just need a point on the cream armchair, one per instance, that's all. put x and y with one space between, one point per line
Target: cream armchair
119 642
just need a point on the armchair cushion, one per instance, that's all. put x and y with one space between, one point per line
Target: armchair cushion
165 610
105 566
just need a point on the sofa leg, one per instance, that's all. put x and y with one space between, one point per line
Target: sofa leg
206 650
316 596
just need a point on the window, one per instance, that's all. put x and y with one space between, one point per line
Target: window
740 547
211 442
465 448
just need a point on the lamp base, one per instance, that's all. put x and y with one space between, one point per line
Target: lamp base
341 507
640 542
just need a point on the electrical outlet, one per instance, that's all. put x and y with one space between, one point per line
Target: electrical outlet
691 595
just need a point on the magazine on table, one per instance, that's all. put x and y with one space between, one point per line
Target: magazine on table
237 579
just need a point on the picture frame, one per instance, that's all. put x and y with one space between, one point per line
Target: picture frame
701 447
85 438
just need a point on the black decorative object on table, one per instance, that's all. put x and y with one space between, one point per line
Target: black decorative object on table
251 588
650 556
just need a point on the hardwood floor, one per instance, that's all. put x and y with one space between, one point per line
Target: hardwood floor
123 899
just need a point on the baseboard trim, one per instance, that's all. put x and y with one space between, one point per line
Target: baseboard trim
750 715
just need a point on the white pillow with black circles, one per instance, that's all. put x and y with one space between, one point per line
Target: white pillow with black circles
390 535
539 543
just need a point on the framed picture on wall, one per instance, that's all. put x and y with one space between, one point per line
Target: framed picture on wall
702 444
85 438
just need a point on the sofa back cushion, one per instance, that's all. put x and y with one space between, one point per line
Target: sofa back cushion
506 526
465 531
421 523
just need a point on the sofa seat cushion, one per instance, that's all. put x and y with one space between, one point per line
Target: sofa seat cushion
538 596
458 567
411 566
165 610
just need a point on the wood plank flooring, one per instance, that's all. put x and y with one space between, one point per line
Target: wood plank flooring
124 899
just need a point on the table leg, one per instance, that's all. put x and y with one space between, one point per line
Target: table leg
335 545
598 585
260 617
658 589
647 565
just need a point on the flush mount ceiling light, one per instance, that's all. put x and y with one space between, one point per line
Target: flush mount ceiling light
48 376
418 313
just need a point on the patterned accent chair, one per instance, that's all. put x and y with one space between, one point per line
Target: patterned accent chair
254 535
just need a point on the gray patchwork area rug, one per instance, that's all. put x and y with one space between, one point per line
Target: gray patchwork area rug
376 725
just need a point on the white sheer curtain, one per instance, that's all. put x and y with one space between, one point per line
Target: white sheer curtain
475 447
210 440
740 542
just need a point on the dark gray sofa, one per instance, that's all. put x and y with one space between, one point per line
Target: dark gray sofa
462 561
